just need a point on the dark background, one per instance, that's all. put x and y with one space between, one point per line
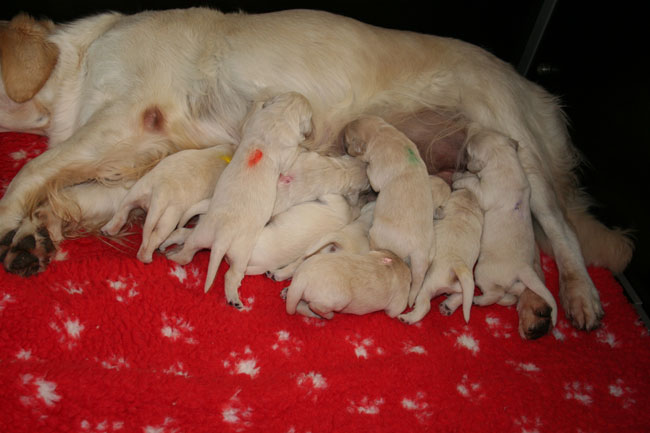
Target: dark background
593 55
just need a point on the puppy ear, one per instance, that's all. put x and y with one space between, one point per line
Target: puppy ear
27 58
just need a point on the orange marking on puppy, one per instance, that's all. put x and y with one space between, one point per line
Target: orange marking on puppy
254 157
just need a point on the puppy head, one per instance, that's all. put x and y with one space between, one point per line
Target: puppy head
358 133
27 58
294 108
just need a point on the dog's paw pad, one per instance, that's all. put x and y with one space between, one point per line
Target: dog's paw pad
28 255
238 305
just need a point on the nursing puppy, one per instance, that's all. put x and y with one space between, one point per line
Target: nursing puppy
243 199
286 237
352 238
458 241
168 191
404 209
349 283
505 264
313 175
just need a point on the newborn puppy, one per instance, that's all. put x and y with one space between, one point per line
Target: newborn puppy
313 175
349 283
166 192
458 240
286 237
352 238
404 209
505 263
243 199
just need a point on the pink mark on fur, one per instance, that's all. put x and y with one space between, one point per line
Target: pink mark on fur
387 260
285 179
254 157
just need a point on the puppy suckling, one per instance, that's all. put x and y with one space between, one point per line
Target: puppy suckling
286 237
243 199
507 256
166 192
352 238
404 209
313 175
349 283
458 240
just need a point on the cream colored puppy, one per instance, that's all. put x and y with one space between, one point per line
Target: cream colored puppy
404 209
458 241
349 283
352 238
313 175
505 263
243 199
166 192
286 237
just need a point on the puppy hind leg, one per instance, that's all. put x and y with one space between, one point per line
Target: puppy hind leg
421 308
156 235
419 265
490 296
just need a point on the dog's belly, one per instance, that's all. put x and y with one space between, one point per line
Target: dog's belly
439 137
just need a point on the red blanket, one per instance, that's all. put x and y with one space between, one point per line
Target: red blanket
100 342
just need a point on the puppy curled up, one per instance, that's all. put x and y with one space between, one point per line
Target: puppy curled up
506 260
352 238
244 197
349 283
403 214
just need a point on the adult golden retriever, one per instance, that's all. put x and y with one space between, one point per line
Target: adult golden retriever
116 93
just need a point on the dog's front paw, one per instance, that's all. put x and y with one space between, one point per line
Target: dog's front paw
407 318
534 316
581 302
26 250
283 293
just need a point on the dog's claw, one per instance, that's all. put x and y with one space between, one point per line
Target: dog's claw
237 305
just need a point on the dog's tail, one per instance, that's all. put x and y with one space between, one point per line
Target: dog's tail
466 280
216 255
531 280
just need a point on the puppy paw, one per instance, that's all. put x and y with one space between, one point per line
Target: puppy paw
445 310
407 318
283 293
534 316
581 302
27 250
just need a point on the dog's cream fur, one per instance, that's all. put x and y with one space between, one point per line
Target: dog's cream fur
243 199
313 175
350 283
168 191
288 234
127 90
506 261
458 240
352 238
403 215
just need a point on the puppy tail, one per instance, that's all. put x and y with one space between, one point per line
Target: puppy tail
466 279
294 295
216 255
530 279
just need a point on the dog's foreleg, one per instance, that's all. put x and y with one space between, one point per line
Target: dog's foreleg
421 308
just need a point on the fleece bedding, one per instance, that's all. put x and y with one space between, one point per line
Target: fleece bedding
100 342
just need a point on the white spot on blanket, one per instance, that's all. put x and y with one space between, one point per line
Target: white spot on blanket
410 348
69 329
166 427
242 363
470 390
18 155
622 393
316 380
528 425
235 412
177 328
43 390
468 342
179 272
4 300
124 288
579 392
365 406
525 367
418 406
606 337
362 346
23 354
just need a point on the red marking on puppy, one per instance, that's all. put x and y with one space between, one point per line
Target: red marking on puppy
153 119
254 157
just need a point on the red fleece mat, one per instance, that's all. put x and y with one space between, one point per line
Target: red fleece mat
100 342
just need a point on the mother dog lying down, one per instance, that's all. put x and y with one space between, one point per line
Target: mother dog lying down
116 93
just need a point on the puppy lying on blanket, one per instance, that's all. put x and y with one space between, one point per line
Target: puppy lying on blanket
243 199
507 255
404 210
168 191
458 240
353 238
349 283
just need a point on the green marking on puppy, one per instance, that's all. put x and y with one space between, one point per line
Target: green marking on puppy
411 156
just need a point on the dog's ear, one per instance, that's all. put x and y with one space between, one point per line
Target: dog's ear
27 58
